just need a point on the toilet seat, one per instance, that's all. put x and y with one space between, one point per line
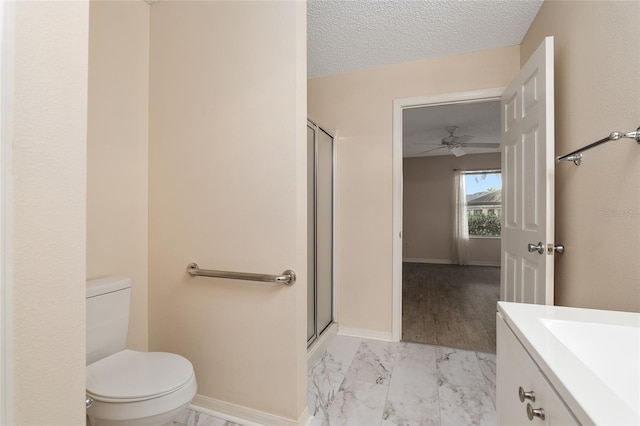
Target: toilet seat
131 376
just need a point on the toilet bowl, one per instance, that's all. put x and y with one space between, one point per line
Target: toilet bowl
126 387
139 388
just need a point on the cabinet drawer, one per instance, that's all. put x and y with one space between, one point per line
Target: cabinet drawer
516 369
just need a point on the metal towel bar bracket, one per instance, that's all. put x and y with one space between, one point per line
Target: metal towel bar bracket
576 156
288 277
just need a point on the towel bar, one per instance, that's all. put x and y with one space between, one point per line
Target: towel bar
288 277
576 156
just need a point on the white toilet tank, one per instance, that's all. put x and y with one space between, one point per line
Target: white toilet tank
108 302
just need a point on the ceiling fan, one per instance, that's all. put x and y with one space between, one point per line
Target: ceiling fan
456 143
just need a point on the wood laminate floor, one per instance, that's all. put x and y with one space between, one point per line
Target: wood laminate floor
450 305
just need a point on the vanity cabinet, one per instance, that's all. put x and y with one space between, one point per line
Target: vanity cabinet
524 396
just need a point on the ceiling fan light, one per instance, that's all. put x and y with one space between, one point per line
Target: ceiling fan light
457 151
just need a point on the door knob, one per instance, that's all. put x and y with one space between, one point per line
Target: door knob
522 394
535 412
533 247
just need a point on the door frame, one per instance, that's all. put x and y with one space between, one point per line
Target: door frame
7 19
399 105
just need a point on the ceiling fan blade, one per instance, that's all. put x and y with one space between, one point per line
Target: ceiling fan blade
434 143
481 145
457 151
429 150
463 139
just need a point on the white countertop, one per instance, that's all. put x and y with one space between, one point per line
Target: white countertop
591 357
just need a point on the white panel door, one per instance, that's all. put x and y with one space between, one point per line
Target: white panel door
528 168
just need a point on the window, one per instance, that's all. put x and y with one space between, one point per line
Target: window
484 203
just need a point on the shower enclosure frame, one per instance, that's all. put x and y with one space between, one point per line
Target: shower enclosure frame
313 286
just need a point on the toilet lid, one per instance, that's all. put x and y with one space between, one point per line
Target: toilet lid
133 375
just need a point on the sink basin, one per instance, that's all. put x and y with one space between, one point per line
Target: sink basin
610 351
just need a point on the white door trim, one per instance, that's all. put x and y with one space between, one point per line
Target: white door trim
399 105
7 18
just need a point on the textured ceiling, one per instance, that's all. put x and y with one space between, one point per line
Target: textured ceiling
350 35
423 128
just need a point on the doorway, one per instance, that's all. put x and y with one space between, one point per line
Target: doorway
400 107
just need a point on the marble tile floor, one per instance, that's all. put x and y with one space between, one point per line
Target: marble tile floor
367 382
195 418
361 382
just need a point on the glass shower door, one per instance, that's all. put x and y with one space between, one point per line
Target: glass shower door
311 230
320 236
324 230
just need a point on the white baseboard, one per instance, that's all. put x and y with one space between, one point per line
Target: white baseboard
422 260
484 263
244 415
385 336
450 262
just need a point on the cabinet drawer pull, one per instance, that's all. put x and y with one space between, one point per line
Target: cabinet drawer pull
526 395
534 412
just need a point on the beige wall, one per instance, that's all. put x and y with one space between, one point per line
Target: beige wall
428 209
597 81
46 257
118 121
227 163
359 105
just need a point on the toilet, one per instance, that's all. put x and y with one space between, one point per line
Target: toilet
126 387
